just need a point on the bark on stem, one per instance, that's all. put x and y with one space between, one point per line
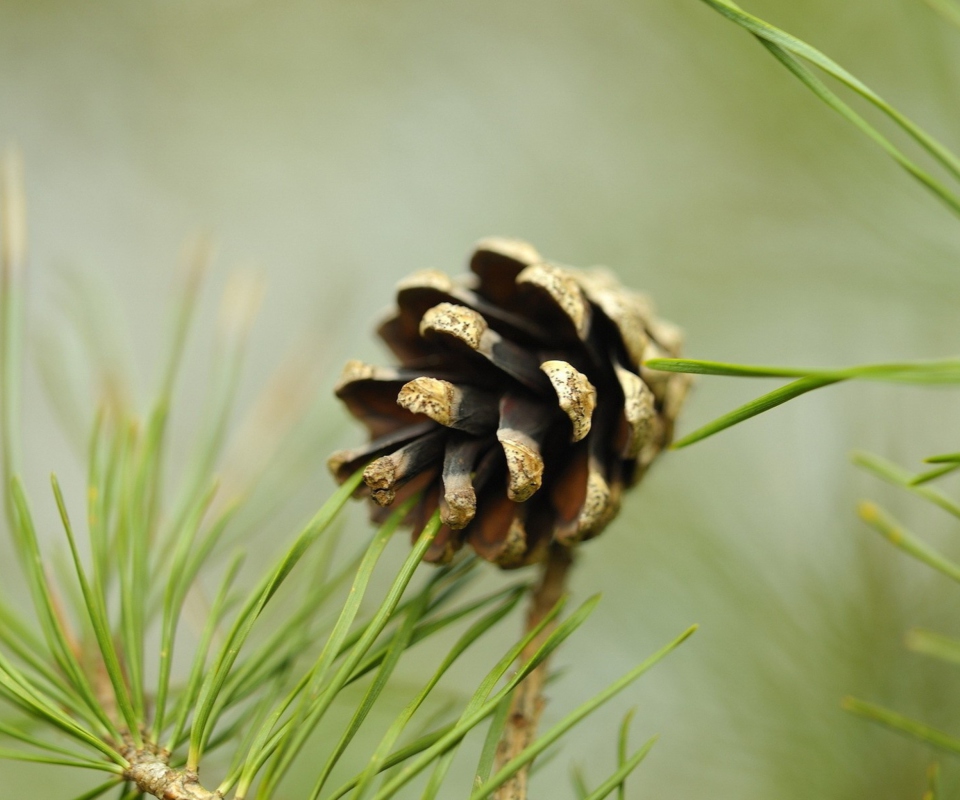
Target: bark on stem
528 702
151 774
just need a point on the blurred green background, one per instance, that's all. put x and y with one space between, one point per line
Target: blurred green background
337 146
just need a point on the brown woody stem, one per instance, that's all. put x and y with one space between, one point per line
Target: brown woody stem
149 771
528 702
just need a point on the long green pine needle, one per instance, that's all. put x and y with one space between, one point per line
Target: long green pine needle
902 724
530 753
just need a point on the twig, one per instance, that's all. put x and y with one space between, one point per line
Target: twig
528 702
151 774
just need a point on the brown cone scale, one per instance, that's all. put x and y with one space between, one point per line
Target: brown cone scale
521 407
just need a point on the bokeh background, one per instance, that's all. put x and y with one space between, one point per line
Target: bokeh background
334 147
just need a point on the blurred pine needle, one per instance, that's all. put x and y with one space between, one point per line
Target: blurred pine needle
99 688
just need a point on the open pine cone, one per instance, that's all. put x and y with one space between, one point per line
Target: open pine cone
520 405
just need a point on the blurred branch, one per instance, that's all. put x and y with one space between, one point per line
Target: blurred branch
527 703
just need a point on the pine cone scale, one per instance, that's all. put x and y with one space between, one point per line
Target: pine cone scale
343 463
520 409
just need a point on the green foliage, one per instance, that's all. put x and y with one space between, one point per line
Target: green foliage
931 373
99 688
795 54
792 53
921 373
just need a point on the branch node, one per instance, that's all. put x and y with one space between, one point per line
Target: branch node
150 770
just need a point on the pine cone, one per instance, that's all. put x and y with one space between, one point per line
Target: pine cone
520 406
